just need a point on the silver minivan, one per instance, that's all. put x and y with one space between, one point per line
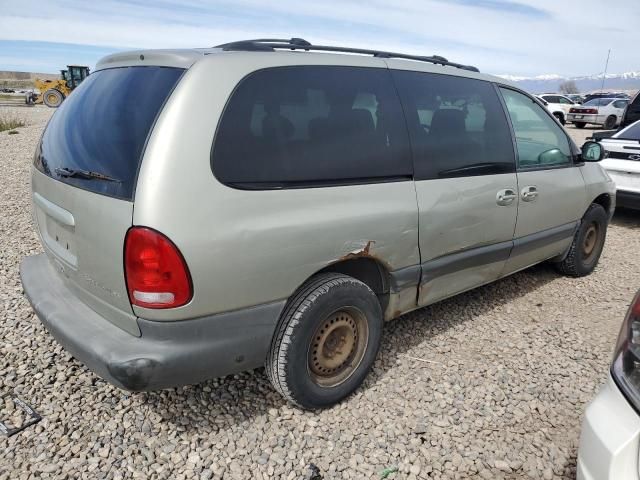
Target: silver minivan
272 203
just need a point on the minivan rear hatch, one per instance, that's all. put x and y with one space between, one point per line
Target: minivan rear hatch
84 179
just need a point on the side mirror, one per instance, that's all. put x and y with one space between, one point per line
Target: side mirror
552 157
593 152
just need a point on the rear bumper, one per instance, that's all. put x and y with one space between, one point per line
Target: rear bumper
167 354
628 199
596 119
610 438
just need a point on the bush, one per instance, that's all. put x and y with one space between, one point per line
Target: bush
10 123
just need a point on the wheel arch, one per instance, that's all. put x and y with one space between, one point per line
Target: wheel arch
368 270
604 200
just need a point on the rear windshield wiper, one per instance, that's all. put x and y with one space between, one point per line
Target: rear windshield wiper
86 174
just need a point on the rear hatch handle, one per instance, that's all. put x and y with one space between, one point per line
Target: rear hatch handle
54 211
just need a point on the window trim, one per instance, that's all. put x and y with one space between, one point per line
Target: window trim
296 185
572 146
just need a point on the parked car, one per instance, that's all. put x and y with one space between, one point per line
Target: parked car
610 437
559 105
623 164
278 218
591 96
632 112
575 97
605 112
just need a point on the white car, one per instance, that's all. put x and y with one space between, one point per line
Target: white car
606 112
623 164
558 105
610 438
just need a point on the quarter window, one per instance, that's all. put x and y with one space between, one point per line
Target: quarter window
312 125
540 141
457 126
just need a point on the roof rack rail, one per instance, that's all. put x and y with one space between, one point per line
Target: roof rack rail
272 44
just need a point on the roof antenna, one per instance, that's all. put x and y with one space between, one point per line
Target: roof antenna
606 65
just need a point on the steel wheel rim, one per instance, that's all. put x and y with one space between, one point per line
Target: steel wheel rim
590 241
338 347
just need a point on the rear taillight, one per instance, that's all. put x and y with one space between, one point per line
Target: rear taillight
635 307
573 110
156 274
591 110
625 368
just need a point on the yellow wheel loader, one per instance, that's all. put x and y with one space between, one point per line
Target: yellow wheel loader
53 92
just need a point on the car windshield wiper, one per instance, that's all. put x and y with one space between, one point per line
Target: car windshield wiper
86 174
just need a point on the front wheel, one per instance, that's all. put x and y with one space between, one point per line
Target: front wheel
52 98
326 341
587 245
560 117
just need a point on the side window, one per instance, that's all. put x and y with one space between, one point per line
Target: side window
540 141
620 103
312 125
457 126
565 101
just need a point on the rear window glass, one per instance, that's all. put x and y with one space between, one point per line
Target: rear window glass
598 102
312 125
102 128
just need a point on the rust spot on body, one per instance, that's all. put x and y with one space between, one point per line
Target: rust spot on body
365 252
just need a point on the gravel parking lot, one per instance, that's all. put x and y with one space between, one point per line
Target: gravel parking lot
490 384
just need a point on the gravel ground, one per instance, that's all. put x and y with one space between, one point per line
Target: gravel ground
490 384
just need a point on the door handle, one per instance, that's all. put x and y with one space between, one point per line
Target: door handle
529 194
505 197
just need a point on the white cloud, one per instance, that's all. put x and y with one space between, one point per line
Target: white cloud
571 38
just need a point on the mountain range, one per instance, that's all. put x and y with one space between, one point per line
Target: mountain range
585 84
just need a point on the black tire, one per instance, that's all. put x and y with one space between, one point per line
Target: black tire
588 241
324 302
610 122
560 117
579 124
52 98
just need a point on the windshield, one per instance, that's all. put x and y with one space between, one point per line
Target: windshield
96 138
632 132
598 102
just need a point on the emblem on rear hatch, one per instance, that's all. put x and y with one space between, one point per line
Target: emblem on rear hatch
94 283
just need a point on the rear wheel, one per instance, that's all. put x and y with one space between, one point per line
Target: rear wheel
587 245
326 341
52 98
579 124
610 122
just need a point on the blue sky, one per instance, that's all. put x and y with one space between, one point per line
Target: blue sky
517 37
